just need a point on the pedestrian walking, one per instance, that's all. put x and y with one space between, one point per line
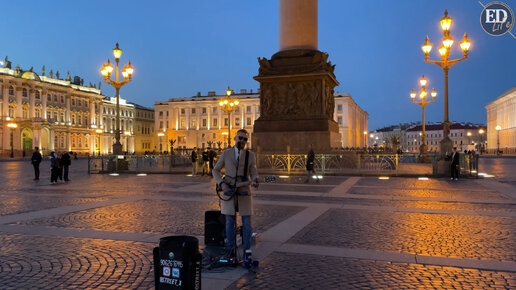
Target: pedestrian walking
66 160
310 159
454 166
36 160
205 161
193 158
54 167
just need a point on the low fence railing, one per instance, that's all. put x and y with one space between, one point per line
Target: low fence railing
136 163
333 163
345 162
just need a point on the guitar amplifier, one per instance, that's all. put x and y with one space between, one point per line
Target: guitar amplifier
214 228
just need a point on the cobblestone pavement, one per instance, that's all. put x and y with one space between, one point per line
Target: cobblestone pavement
301 271
423 234
98 231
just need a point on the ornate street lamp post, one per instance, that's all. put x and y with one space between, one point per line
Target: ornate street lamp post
12 126
498 128
423 103
127 72
160 135
481 133
445 63
228 105
99 132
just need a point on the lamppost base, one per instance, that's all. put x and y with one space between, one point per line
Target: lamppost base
117 148
446 146
423 157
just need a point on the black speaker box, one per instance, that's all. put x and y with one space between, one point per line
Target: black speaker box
214 228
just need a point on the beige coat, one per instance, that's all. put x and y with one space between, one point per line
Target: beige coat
228 161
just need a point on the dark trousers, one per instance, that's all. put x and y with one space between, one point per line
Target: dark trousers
54 173
36 170
65 169
455 171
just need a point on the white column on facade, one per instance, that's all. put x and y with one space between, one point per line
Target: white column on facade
44 105
101 115
32 103
68 140
19 109
297 24
93 119
68 118
5 99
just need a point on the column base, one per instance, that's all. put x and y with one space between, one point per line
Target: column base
117 149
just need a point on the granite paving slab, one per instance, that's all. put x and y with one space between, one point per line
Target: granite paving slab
458 236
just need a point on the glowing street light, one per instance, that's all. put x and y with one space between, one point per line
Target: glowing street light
445 63
481 133
423 101
12 126
127 73
160 135
228 105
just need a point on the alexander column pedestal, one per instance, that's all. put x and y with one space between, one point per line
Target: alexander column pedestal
296 103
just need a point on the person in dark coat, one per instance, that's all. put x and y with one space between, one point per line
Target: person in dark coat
310 159
454 167
54 167
36 160
193 158
66 161
205 160
211 160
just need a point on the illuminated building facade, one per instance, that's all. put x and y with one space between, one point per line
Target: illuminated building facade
64 115
199 122
502 112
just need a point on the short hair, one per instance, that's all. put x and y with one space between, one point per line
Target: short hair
242 131
36 148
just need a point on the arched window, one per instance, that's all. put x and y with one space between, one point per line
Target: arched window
37 113
79 117
11 111
24 92
37 95
11 91
73 118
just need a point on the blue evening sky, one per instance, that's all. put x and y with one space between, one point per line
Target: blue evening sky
181 47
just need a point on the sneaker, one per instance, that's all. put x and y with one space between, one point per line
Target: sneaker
248 255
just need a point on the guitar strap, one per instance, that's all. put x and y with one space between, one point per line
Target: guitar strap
246 163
